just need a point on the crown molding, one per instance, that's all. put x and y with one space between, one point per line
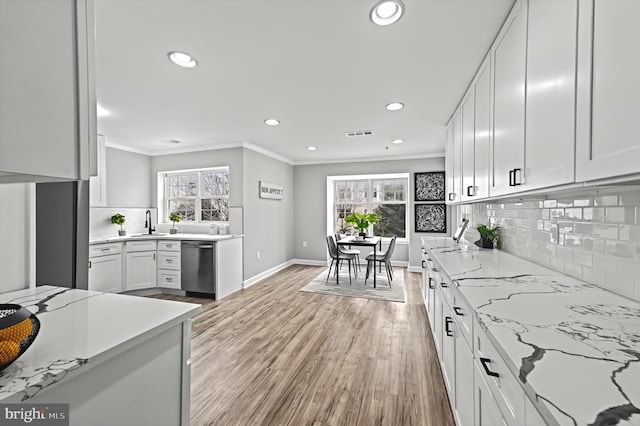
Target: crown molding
370 159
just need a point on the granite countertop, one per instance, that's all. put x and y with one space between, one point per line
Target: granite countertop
81 329
162 236
574 346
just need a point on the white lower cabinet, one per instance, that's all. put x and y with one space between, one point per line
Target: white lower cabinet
169 263
482 390
105 273
140 270
105 267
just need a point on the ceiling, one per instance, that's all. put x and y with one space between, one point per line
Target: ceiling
319 66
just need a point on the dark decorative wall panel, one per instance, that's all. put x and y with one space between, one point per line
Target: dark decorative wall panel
429 186
431 218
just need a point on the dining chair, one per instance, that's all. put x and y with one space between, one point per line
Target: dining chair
381 254
382 258
337 257
348 251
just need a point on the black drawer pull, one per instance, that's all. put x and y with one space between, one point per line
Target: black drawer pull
470 191
444 285
431 283
434 269
423 264
484 362
447 322
457 311
452 196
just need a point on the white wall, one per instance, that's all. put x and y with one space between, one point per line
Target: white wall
268 224
310 207
129 179
17 236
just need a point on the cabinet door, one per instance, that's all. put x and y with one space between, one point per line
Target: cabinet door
486 410
464 390
456 154
509 60
482 130
611 109
140 270
39 106
448 350
98 183
105 273
436 324
551 71
468 146
448 161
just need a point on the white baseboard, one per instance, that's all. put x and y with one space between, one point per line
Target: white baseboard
310 262
414 269
251 281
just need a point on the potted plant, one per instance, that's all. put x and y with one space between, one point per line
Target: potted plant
362 221
174 217
489 236
118 219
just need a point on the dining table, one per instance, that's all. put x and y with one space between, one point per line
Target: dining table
366 242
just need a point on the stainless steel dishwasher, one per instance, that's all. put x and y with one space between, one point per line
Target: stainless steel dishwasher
198 266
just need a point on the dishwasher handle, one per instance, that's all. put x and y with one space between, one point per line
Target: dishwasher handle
197 245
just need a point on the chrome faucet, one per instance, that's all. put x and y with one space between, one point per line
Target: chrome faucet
147 222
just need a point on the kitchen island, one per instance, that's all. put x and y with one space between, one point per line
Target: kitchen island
115 359
571 347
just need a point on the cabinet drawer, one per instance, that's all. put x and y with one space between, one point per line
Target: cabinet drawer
105 249
169 245
447 286
168 279
169 260
146 245
463 315
504 386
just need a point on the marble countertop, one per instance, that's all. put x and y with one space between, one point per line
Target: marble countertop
162 236
574 346
81 329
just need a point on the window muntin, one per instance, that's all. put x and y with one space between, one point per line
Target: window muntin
387 197
200 195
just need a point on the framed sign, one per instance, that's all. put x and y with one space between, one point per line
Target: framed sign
429 186
431 218
270 191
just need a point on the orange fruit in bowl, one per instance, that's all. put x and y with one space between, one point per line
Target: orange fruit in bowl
17 332
8 351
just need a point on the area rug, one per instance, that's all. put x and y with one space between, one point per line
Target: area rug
357 287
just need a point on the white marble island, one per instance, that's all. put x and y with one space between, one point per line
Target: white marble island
114 359
574 348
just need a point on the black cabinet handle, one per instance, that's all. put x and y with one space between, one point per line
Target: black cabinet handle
89 264
516 181
511 179
452 196
447 322
484 362
423 264
444 285
470 191
431 283
434 269
457 311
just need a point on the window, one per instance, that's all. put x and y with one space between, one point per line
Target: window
200 195
384 196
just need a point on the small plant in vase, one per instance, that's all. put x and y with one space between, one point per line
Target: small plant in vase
174 217
119 219
489 236
362 221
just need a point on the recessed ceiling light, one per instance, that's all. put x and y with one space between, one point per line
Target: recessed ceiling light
271 122
101 111
395 106
311 148
397 141
386 12
182 59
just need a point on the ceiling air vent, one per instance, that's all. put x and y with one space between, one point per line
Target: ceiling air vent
358 133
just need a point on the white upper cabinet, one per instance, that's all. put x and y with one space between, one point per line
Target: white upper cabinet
608 89
482 131
456 148
509 60
468 146
550 96
47 107
448 163
98 182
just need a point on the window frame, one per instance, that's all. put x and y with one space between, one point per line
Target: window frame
370 202
164 179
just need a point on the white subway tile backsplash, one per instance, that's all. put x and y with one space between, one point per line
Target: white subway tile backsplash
100 221
595 237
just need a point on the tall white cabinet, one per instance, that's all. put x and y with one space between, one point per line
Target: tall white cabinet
47 107
609 89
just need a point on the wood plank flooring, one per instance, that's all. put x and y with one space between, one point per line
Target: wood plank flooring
272 355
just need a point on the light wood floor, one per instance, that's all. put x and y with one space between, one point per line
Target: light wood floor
272 355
